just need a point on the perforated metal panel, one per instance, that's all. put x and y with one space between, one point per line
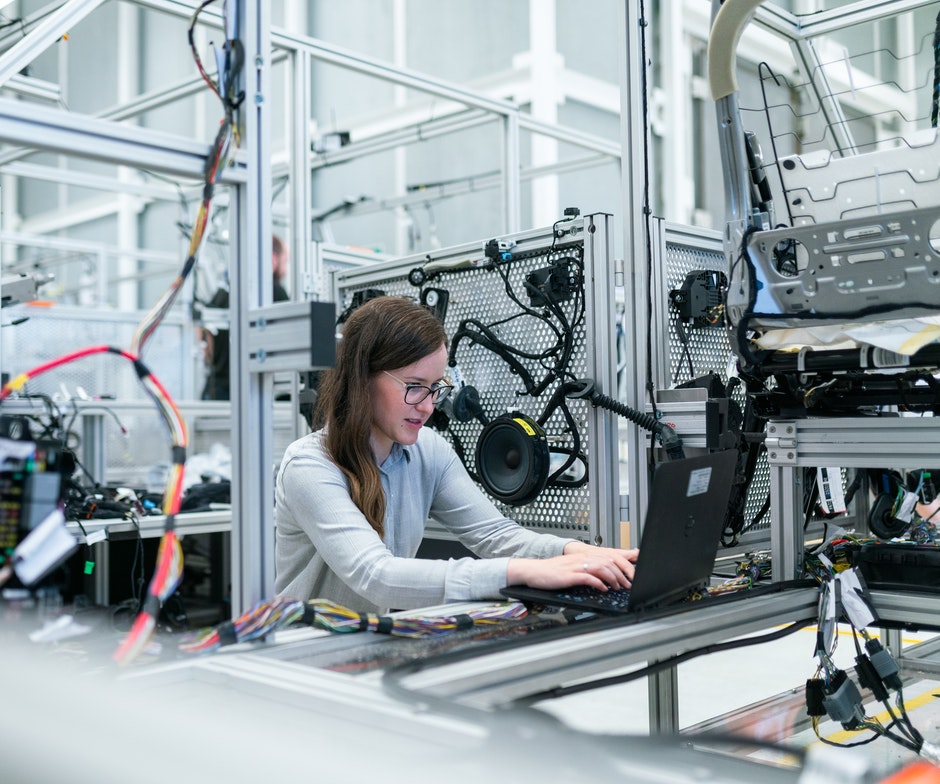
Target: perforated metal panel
691 350
495 296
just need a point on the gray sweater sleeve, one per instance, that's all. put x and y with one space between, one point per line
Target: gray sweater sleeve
325 548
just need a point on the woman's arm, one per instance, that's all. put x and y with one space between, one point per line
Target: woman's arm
539 560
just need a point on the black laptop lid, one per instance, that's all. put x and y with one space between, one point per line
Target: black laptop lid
688 503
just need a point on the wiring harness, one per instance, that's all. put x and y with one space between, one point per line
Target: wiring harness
169 567
833 693
267 617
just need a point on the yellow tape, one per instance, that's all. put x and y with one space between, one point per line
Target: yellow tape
524 425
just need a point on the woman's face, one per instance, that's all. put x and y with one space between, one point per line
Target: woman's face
394 420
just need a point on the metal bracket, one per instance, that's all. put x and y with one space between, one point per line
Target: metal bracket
781 443
292 336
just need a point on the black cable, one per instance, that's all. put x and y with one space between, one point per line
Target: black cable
773 139
564 691
138 586
668 438
935 103
561 351
574 452
647 212
686 353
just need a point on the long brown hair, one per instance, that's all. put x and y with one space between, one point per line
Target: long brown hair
385 333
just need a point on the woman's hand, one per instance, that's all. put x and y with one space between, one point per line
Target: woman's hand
582 564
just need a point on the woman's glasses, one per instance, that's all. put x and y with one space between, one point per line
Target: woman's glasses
416 393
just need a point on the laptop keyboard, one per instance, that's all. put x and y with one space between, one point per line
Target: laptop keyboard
616 599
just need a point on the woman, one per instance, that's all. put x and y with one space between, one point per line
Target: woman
352 499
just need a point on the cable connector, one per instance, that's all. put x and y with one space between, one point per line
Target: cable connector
698 299
869 678
815 697
843 702
884 664
499 250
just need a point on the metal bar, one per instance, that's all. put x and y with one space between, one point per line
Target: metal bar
410 135
47 32
571 136
43 128
663 689
36 88
83 246
251 287
913 609
465 185
512 207
280 338
792 26
636 238
786 524
152 526
860 442
35 171
139 105
499 677
356 61
835 19
146 102
603 434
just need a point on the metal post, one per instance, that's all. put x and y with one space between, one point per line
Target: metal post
635 232
663 690
603 424
511 198
252 393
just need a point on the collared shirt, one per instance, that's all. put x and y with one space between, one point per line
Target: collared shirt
326 549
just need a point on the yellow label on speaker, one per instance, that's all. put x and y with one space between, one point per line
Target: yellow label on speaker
524 425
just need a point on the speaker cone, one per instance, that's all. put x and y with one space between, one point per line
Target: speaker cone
880 520
512 459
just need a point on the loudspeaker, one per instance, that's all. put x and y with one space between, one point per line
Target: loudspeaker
512 458
880 520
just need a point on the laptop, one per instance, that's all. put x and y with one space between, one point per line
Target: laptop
688 503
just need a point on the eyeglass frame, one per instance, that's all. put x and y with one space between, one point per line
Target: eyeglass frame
441 390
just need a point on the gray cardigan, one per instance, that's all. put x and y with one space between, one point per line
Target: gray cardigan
326 549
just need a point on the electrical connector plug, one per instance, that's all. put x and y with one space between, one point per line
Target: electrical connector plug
843 702
884 664
815 696
869 679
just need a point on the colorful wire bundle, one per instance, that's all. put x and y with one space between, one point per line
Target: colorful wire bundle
215 163
341 619
258 622
267 617
169 568
166 578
